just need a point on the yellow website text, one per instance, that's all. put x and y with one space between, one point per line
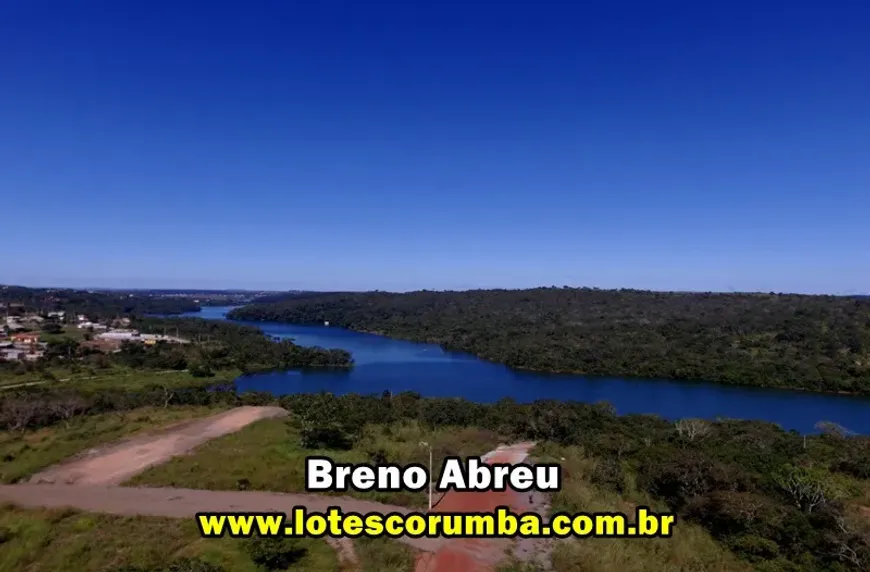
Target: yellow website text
502 523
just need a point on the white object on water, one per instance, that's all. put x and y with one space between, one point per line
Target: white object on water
325 323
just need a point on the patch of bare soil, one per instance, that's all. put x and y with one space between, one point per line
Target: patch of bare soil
477 554
114 464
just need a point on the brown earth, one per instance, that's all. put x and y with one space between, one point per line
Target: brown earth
478 554
114 464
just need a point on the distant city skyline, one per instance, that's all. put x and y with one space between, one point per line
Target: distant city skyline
702 146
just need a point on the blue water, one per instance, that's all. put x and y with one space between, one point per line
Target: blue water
384 363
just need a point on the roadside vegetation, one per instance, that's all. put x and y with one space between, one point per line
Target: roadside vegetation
816 343
745 492
47 541
51 540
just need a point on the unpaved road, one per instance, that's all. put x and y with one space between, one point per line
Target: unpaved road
185 503
478 554
116 463
87 483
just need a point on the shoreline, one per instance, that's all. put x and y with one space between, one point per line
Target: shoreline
577 373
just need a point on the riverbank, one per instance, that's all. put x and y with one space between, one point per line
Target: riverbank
383 363
783 341
589 375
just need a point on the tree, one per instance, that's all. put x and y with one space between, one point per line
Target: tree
52 328
67 406
17 412
834 430
326 424
808 488
692 429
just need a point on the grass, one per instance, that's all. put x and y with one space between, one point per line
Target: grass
267 456
50 540
24 454
384 555
689 549
69 332
37 541
115 377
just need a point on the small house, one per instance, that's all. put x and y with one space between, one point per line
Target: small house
26 338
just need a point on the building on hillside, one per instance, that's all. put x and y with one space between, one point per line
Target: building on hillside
11 354
92 325
26 338
129 335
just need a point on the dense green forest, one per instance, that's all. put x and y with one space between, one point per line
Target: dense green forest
95 305
779 500
818 343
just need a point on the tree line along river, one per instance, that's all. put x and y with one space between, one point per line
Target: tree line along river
387 364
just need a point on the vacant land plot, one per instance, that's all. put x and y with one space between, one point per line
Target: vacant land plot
267 456
51 540
120 461
24 454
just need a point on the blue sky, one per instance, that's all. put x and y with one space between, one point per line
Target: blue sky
402 145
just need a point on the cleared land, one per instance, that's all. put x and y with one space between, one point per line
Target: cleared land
267 456
23 454
117 463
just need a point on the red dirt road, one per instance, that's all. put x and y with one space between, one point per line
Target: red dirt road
114 464
477 555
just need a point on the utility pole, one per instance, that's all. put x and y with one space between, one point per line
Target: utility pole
425 444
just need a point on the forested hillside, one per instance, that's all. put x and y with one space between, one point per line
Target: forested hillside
819 343
95 305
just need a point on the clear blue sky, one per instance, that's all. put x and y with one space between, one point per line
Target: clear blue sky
697 145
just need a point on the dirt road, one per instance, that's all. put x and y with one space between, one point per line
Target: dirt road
86 483
479 554
114 464
185 503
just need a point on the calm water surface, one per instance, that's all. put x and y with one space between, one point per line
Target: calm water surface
384 363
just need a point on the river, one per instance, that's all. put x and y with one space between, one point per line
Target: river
385 363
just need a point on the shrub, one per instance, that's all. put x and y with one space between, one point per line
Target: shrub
608 474
274 553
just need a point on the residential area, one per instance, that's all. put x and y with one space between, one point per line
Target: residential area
25 335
